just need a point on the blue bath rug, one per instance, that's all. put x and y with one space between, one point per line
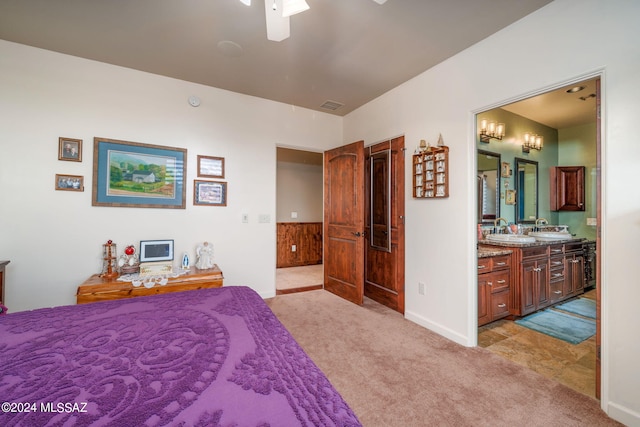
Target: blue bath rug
583 306
560 325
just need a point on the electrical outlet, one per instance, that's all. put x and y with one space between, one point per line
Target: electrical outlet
294 215
592 221
420 288
293 248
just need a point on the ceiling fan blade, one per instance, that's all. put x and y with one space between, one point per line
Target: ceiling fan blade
277 26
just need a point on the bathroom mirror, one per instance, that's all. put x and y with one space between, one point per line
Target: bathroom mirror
380 200
526 182
488 186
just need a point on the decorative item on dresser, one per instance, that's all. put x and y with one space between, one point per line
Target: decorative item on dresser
97 288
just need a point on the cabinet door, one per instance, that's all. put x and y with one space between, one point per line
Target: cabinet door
575 273
529 283
484 309
567 188
543 297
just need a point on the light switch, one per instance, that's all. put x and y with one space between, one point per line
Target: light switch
245 218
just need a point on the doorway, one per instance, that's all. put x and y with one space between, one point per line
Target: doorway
299 264
364 222
572 120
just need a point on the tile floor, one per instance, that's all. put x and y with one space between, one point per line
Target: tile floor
572 365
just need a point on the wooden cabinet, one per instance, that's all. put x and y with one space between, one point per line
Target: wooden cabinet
494 287
567 188
545 275
3 264
431 173
98 289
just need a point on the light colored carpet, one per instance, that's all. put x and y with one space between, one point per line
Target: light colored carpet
299 277
393 372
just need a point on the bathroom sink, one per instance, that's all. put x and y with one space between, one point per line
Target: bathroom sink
550 235
511 238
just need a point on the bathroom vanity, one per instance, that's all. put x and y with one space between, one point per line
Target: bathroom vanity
543 273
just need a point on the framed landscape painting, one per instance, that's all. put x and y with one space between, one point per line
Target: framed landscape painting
132 174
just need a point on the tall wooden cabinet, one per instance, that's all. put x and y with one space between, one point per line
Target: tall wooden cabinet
431 173
567 188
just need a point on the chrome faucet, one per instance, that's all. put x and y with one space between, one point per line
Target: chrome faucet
496 222
540 220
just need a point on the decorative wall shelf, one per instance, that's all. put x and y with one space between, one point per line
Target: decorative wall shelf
431 173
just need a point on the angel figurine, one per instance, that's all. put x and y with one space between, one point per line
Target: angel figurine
204 253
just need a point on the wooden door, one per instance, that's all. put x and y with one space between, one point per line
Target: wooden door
384 240
344 221
598 241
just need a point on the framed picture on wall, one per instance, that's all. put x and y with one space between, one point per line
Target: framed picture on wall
505 171
132 174
209 193
70 149
69 182
210 167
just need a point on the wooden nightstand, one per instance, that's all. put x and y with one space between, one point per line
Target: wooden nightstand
2 266
96 288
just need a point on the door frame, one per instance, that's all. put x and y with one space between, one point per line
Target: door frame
601 380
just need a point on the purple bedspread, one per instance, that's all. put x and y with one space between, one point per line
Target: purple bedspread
212 357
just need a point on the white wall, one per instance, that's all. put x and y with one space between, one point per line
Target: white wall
299 189
54 238
565 41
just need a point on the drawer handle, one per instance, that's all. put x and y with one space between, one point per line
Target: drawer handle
502 305
481 267
556 250
502 281
557 262
537 270
557 275
557 292
501 263
490 283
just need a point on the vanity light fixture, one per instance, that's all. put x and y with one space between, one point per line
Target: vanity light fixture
531 140
490 129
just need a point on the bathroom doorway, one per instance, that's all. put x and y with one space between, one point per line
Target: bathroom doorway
569 118
299 210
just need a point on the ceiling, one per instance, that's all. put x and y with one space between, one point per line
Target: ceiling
345 51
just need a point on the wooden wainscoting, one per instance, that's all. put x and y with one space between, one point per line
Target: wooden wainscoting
306 236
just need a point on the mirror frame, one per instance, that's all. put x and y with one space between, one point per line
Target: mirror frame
499 157
518 162
374 242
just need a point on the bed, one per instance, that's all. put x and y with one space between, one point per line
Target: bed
210 357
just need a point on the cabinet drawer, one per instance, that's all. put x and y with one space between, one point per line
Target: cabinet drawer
556 249
556 263
501 262
484 265
556 290
534 252
573 246
499 305
499 281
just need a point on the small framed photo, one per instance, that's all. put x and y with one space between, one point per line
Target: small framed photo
505 172
210 167
209 193
69 182
510 197
70 149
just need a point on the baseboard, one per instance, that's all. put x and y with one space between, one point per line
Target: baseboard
624 415
437 328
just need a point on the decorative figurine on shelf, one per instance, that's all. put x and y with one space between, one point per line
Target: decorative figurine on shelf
185 261
440 141
204 254
109 268
128 262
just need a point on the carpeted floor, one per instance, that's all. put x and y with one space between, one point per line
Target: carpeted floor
393 372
